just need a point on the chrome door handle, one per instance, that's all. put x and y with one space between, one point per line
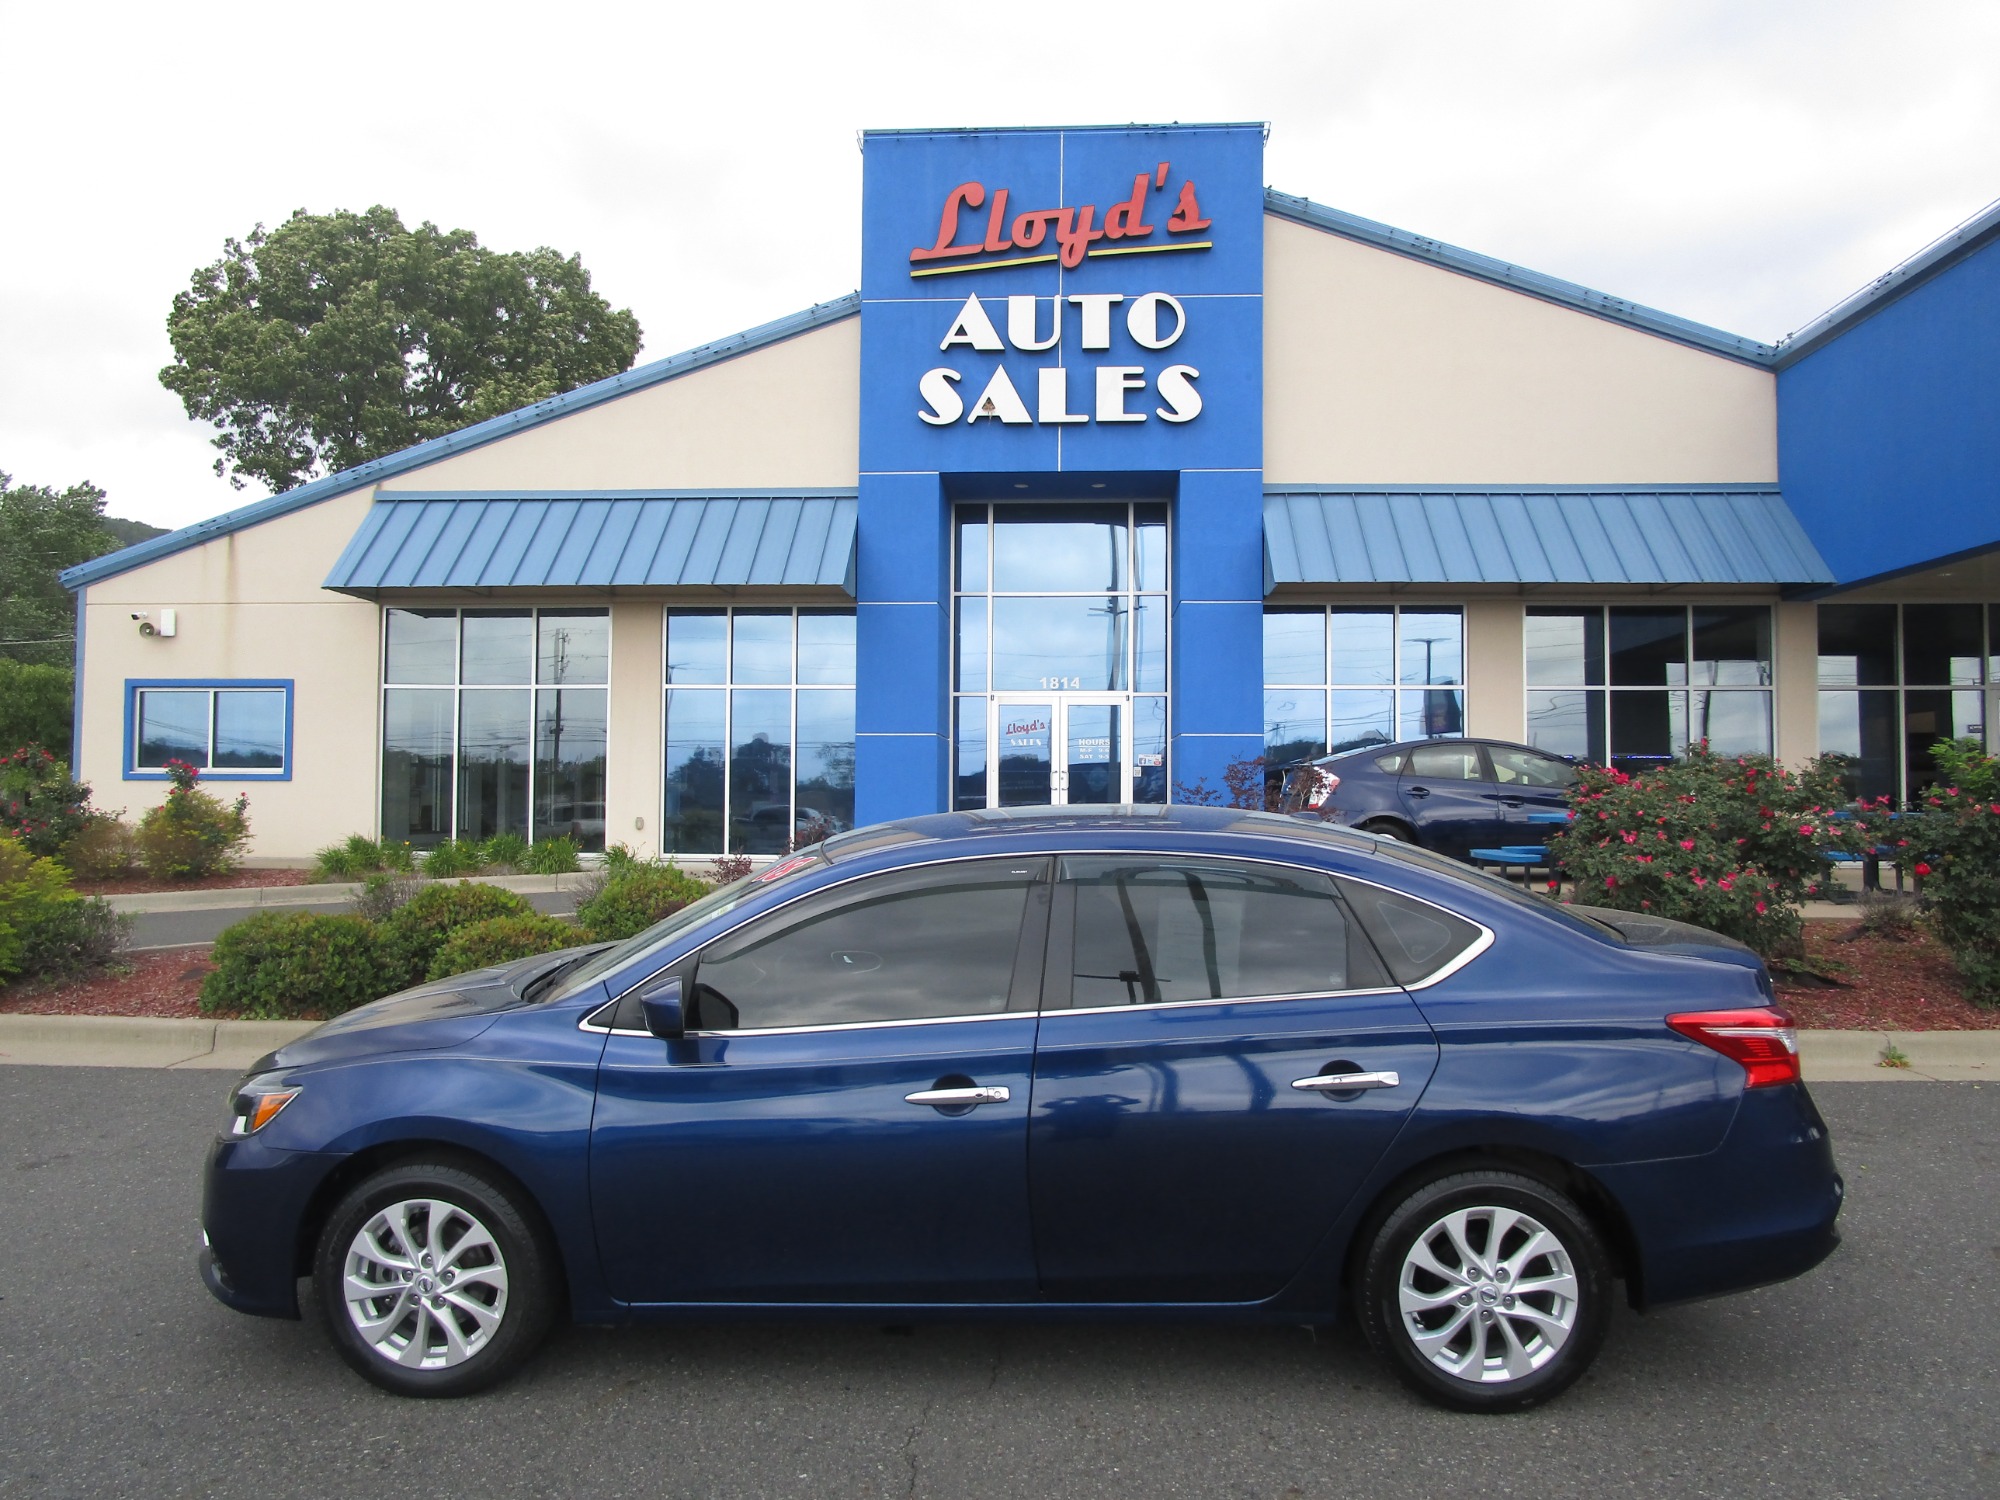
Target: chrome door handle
958 1096
1340 1083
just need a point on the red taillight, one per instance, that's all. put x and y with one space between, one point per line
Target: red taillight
1327 781
1763 1040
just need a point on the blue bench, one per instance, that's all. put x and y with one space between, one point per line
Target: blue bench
1522 857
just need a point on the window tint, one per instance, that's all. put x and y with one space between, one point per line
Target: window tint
902 947
1525 768
1414 939
1446 763
1150 931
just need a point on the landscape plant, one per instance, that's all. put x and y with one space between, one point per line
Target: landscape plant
358 856
280 965
500 940
504 849
556 856
1950 842
634 898
105 848
41 803
451 859
192 834
1736 844
412 934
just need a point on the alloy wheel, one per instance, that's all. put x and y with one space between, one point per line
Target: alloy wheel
1488 1294
425 1284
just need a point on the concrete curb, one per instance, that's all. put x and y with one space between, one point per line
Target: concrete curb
137 1042
337 893
141 1042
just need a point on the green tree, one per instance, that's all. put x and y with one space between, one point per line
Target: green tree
337 338
43 531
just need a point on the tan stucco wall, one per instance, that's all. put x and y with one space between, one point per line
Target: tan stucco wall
1795 674
249 605
1495 670
789 414
1380 369
634 756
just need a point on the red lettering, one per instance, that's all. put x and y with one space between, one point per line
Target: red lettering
971 194
1030 227
1075 242
1127 220
1187 213
996 224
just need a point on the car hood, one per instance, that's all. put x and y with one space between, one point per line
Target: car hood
444 1013
1664 935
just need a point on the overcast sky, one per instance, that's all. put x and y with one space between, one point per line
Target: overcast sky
1742 163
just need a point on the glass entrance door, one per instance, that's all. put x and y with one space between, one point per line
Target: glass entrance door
1059 749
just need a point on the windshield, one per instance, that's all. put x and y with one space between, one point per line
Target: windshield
716 903
1494 885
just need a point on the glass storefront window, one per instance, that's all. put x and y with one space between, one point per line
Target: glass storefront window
1060 599
1894 680
495 721
1648 656
768 750
1337 677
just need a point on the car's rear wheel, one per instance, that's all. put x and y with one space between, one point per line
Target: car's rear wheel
433 1280
1486 1291
1388 828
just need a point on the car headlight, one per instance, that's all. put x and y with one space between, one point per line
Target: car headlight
256 1102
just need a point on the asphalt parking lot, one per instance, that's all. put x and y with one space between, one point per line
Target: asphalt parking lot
1879 1374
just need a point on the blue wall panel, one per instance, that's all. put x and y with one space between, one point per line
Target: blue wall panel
1218 642
1889 434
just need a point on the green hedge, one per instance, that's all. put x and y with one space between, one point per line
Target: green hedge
501 940
413 934
279 965
634 897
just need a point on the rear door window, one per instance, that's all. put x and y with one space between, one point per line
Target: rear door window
1416 940
1446 761
1155 931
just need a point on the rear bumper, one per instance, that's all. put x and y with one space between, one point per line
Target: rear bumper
1761 1207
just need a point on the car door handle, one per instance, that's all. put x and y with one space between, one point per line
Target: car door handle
947 1097
1419 791
1341 1083
1511 801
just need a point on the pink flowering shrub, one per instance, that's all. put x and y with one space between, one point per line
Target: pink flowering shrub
192 834
1951 841
1731 843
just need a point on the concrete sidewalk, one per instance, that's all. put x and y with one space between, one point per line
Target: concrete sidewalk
338 893
126 1042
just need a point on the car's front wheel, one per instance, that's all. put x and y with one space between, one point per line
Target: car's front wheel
433 1280
1487 1291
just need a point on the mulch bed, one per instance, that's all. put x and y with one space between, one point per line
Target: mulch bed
234 880
161 983
1889 986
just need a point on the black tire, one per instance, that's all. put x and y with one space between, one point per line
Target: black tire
1529 1332
1388 828
440 1210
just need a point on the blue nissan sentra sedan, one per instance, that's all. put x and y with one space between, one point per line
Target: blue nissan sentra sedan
1106 1063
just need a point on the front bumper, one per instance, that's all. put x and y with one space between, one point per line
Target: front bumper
253 1213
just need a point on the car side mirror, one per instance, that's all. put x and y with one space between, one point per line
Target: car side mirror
660 1001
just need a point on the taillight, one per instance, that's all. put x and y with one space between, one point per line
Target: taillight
1327 781
1763 1040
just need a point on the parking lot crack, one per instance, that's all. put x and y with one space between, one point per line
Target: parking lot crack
910 1442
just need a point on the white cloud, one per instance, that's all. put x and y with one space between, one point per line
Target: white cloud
1742 164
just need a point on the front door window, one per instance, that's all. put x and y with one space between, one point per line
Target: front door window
1060 654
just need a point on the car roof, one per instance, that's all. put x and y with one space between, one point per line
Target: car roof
1178 819
1400 747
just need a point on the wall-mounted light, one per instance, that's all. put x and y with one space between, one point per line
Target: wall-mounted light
167 623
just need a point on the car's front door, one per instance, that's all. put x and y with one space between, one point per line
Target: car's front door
1451 800
1180 1148
1534 789
846 1119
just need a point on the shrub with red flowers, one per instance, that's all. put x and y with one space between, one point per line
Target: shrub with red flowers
1951 843
41 804
192 834
1731 843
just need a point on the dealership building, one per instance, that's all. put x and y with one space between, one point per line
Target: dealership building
1120 468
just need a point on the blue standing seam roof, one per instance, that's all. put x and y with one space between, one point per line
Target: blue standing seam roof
1720 535
501 541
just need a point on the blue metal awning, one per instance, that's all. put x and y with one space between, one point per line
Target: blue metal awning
1721 535
601 541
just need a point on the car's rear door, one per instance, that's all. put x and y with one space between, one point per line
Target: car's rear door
1172 1154
1451 799
776 1154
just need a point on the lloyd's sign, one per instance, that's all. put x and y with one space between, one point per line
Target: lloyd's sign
1060 300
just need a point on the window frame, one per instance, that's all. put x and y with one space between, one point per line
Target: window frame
134 686
1396 688
728 687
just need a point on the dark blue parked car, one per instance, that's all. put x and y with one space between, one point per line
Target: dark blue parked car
1137 1063
1453 795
